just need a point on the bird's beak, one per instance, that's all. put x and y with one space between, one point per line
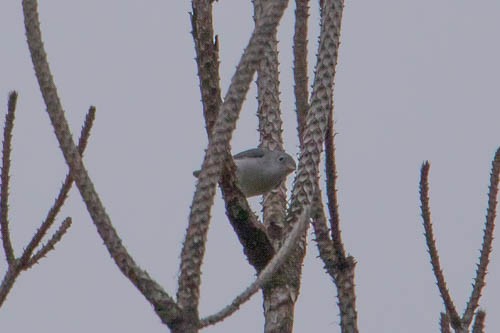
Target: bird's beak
291 166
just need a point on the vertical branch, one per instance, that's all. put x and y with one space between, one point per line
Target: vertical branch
331 189
489 227
4 189
194 246
270 126
444 323
431 245
300 64
479 322
321 99
306 181
207 60
250 231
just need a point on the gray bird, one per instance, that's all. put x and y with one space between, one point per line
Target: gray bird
259 170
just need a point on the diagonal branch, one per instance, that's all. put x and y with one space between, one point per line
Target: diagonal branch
194 246
431 245
61 197
60 232
264 276
164 305
251 233
489 227
4 189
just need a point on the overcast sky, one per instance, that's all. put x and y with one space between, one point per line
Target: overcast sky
416 80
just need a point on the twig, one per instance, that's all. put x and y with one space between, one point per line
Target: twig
489 227
63 228
444 323
431 245
61 197
164 305
4 190
479 322
265 274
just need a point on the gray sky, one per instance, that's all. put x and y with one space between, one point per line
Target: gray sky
416 80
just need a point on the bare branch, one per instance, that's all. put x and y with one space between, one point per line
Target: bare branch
289 244
489 227
217 152
479 322
4 189
270 129
431 245
444 323
61 197
341 270
207 60
63 228
306 184
331 189
8 281
321 99
164 305
251 233
300 64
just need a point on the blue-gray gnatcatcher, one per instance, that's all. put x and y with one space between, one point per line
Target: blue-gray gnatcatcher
260 170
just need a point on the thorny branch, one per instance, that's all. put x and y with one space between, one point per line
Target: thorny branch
451 311
63 193
250 231
218 147
300 64
478 326
444 323
462 324
270 127
164 305
484 257
5 177
27 259
264 276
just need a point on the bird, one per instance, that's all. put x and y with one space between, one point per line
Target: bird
260 170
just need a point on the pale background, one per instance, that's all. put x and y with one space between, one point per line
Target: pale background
416 80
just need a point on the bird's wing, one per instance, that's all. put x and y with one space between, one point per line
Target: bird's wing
250 153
